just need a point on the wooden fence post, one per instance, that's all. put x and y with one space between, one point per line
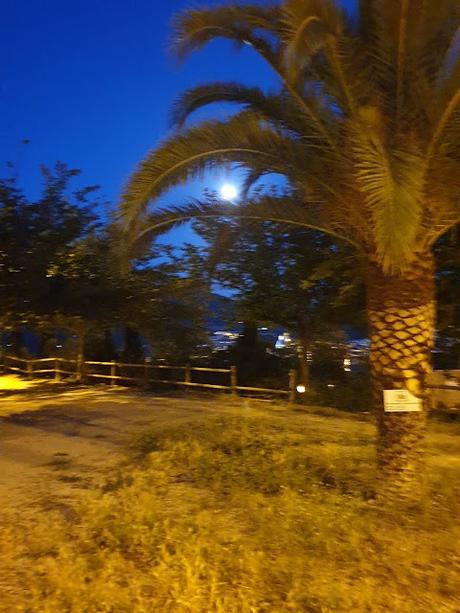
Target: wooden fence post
147 362
292 385
57 374
233 379
188 374
113 373
80 365
30 369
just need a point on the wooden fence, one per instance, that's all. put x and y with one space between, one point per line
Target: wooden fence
144 374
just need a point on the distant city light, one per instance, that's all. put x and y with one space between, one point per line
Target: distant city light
301 389
284 340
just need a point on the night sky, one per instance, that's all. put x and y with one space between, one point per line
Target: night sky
90 82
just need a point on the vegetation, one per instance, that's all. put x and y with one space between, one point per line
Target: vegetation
241 513
365 129
60 277
299 280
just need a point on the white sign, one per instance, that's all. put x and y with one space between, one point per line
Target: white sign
400 401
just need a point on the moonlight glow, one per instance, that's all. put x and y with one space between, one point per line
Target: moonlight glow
228 191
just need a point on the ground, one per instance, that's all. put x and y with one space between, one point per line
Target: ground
54 439
118 501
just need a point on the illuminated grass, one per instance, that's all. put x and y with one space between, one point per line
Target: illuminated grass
240 515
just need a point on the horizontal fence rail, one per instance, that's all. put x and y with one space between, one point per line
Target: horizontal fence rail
445 391
115 372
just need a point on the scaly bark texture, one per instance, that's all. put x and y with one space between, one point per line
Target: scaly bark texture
401 312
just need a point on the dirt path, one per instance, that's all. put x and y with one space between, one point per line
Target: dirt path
54 440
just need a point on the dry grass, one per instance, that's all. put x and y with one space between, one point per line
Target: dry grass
244 514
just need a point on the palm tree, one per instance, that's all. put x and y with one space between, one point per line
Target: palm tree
365 126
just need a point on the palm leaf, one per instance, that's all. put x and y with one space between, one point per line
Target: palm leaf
308 26
259 27
321 28
275 108
252 176
242 140
392 184
285 210
195 28
447 100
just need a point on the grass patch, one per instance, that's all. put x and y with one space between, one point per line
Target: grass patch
60 462
244 514
70 478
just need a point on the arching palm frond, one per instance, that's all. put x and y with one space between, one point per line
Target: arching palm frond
288 210
315 27
277 109
259 27
242 23
241 140
304 33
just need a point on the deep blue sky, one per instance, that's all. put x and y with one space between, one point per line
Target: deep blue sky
90 82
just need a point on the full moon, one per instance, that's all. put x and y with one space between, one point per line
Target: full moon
228 191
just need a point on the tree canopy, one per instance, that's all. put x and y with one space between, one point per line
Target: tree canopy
60 271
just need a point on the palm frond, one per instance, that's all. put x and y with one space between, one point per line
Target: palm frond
308 26
257 26
392 183
275 108
446 120
406 42
285 210
450 116
195 28
304 33
242 140
252 176
322 28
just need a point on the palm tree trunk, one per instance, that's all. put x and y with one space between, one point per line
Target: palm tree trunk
401 313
